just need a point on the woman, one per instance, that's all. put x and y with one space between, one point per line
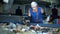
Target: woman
35 12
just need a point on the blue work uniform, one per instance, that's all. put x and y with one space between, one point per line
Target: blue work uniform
36 16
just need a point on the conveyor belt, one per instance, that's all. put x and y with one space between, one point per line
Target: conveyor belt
47 25
18 19
12 18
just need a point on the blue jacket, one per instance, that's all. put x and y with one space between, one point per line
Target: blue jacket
36 15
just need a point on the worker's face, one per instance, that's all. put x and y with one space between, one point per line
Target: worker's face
34 7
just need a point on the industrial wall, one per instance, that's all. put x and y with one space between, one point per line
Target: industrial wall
14 7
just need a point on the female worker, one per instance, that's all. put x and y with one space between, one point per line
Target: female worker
35 12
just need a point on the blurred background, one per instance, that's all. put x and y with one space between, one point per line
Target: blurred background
11 5
8 7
